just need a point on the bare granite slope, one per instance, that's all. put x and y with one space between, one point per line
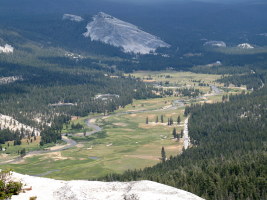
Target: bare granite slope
118 33
45 188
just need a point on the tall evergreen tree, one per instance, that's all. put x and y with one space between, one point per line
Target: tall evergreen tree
171 121
161 119
174 133
163 154
178 119
23 152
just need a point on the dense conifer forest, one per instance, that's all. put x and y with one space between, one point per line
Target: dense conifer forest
44 89
251 81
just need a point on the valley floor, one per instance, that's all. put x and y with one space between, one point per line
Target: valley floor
129 138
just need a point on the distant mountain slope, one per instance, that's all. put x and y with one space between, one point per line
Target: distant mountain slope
118 33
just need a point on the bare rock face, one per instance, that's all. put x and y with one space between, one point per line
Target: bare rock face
44 188
118 33
8 122
6 49
73 18
215 44
245 46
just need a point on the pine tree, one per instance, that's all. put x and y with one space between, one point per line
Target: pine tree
84 133
163 154
186 111
179 120
174 133
161 119
23 152
33 134
171 121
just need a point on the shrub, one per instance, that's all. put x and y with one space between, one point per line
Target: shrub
8 187
13 187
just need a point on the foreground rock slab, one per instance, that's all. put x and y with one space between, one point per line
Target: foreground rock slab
45 188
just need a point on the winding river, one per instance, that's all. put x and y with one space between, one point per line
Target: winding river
71 143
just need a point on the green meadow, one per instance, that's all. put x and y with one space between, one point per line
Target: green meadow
127 141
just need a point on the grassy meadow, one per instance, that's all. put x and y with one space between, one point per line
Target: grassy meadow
129 142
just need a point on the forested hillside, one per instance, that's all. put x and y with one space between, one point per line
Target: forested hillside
40 85
228 157
250 76
174 23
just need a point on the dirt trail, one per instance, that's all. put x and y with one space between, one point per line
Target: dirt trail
70 143
186 136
